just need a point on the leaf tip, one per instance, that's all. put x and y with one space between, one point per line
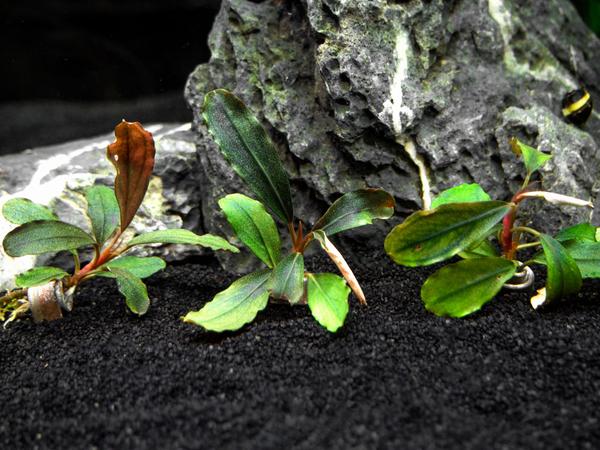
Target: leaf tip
514 145
186 319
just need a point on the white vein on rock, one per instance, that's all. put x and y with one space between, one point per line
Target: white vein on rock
395 107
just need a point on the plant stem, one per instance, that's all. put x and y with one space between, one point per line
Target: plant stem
528 230
529 262
508 246
106 255
77 261
509 240
292 232
300 235
528 245
526 181
307 239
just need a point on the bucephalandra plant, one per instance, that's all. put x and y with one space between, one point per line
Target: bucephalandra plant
247 147
47 290
464 220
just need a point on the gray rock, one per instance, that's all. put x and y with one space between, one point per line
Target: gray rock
57 176
413 96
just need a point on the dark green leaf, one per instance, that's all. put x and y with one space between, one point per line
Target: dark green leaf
328 299
564 277
44 236
38 276
427 237
103 210
254 226
181 236
356 209
483 248
586 255
22 210
137 266
462 288
581 232
236 306
532 158
133 289
246 145
463 193
288 278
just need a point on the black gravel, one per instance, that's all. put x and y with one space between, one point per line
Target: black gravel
394 377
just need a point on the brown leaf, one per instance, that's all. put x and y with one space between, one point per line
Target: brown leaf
132 154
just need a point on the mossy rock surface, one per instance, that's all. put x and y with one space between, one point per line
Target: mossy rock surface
346 87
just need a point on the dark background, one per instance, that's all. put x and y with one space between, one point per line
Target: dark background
72 69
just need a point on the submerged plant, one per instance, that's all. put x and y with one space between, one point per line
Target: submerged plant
247 147
47 290
463 222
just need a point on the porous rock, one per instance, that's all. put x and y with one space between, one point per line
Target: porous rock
412 96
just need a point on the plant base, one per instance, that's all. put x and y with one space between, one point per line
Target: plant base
47 301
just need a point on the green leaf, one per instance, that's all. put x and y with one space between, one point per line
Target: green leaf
181 236
586 255
581 232
356 209
236 306
463 193
328 299
133 289
103 210
462 288
39 275
288 278
564 277
427 237
45 236
532 158
21 210
137 266
247 147
483 248
254 226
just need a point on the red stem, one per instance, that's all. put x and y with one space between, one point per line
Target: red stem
509 243
508 246
300 236
107 254
299 240
292 231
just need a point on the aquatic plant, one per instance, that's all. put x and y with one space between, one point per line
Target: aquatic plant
248 149
47 290
464 220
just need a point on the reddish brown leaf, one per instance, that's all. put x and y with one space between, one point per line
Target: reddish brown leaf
132 154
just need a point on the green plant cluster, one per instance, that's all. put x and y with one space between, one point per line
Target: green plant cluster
465 222
495 245
246 146
39 231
